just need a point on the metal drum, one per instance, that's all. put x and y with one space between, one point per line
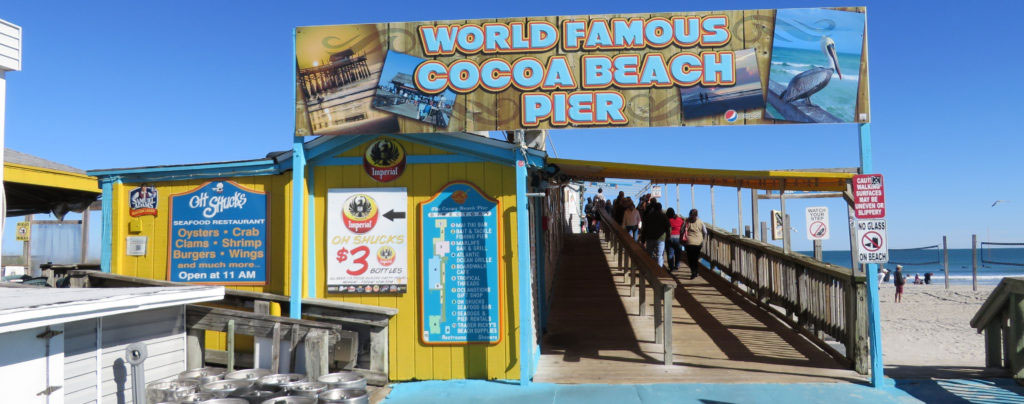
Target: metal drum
196 398
157 392
222 388
344 380
345 396
257 394
247 374
306 389
225 401
281 379
205 375
291 400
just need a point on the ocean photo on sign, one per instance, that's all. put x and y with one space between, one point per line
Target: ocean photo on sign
815 68
397 92
700 101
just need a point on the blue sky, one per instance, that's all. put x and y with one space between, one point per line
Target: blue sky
121 84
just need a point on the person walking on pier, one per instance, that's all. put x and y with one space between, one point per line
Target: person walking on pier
673 249
693 237
655 231
631 218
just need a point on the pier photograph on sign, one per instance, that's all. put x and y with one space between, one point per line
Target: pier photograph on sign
367 240
700 101
397 92
218 235
460 259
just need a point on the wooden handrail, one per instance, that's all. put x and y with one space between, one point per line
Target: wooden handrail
1001 318
634 259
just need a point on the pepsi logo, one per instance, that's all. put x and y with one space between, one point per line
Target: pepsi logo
731 115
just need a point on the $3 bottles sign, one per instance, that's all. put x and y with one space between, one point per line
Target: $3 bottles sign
366 240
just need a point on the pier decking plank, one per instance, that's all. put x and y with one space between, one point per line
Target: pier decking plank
594 334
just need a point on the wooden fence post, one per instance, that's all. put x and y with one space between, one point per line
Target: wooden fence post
658 320
669 297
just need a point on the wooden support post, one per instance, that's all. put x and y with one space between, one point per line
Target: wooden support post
643 297
231 345
1017 336
658 320
1004 323
693 197
974 261
857 328
764 232
293 348
817 250
195 341
26 249
669 298
712 205
945 261
739 209
275 349
317 354
85 234
632 280
379 350
786 236
753 211
993 344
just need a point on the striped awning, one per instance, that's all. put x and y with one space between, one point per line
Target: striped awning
755 179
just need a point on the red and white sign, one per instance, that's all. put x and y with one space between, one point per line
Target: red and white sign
817 223
868 196
872 247
366 240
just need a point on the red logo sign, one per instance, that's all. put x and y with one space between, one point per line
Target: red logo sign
384 160
359 213
868 196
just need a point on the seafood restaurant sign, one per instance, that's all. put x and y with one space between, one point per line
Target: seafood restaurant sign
663 69
218 235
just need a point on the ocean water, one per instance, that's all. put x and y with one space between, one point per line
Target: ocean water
993 263
839 97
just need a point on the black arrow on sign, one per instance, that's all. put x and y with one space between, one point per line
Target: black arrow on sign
392 215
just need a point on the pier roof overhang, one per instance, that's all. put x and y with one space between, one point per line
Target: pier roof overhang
36 185
755 179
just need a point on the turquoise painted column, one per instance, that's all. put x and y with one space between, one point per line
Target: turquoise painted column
107 235
525 285
874 319
311 236
298 203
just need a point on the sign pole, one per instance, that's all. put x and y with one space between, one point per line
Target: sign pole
298 216
945 260
874 319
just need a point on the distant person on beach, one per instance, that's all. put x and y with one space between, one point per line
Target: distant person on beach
882 274
899 280
927 278
917 280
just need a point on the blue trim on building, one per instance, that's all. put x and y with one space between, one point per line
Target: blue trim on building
541 295
107 235
319 149
311 235
874 317
298 204
526 340
211 170
412 159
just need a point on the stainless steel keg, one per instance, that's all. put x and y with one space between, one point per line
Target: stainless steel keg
344 380
345 396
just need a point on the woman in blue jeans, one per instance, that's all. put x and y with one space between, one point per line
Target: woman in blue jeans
655 232
631 219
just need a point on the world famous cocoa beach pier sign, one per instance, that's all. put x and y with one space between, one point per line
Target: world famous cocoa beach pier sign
632 70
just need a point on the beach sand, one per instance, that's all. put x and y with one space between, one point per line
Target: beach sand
930 329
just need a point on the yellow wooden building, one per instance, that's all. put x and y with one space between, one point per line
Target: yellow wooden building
298 248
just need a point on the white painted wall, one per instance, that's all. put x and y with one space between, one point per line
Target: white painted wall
163 332
81 362
26 369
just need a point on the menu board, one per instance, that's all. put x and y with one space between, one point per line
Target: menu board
460 264
218 235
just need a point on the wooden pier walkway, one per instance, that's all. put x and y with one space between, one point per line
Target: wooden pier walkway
595 335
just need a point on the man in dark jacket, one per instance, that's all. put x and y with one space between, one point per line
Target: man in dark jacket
655 231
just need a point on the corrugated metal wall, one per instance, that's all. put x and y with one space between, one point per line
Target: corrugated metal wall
163 332
80 362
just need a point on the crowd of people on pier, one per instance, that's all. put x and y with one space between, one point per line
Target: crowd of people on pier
667 236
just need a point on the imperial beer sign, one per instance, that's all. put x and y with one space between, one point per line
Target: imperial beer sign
384 160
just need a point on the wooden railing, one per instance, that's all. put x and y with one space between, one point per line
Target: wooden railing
817 299
642 271
369 323
1001 318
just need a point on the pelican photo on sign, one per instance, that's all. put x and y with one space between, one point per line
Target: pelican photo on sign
817 223
815 68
